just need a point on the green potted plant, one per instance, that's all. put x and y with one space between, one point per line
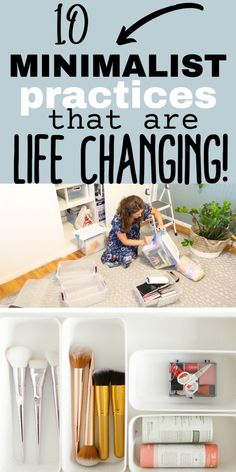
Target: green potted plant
212 229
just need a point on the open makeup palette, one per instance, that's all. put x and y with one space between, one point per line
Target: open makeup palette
141 343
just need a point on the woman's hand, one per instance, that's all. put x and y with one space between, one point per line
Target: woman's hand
130 242
148 239
158 218
142 242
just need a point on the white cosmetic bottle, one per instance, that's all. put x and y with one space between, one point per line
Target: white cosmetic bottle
177 429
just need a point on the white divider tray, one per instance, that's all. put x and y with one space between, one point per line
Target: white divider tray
224 433
39 335
107 338
150 339
149 381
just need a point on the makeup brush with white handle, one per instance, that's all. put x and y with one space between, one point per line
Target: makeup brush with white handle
53 360
38 369
18 357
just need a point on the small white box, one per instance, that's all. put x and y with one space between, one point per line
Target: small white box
91 238
77 191
71 193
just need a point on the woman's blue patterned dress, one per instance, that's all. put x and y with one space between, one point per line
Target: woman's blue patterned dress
117 253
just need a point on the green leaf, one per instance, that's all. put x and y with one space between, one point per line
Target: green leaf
183 209
193 211
187 242
213 220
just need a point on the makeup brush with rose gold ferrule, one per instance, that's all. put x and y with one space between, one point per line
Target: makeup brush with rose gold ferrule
88 454
79 359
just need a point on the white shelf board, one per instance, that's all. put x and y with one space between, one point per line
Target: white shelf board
63 205
61 186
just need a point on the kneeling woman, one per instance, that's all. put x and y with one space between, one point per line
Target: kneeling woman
124 237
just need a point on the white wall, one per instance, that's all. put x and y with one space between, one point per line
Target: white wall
115 192
194 197
31 232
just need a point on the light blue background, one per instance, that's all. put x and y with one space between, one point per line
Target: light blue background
29 27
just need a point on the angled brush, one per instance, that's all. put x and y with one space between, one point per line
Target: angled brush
38 369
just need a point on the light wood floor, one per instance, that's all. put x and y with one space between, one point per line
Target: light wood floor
16 284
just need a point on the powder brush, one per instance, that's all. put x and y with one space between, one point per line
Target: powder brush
18 357
79 359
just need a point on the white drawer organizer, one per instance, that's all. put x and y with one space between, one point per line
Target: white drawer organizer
224 427
141 343
149 381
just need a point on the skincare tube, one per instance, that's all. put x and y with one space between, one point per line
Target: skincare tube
177 429
179 455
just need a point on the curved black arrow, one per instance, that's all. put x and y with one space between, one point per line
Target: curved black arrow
123 37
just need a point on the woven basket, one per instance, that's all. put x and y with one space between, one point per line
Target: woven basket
208 245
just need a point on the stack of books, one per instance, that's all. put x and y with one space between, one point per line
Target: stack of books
152 292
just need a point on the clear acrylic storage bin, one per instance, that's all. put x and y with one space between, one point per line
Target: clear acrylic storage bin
164 300
67 270
88 290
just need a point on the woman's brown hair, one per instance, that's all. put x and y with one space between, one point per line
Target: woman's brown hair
127 207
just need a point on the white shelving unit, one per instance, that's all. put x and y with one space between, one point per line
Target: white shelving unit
70 196
68 201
